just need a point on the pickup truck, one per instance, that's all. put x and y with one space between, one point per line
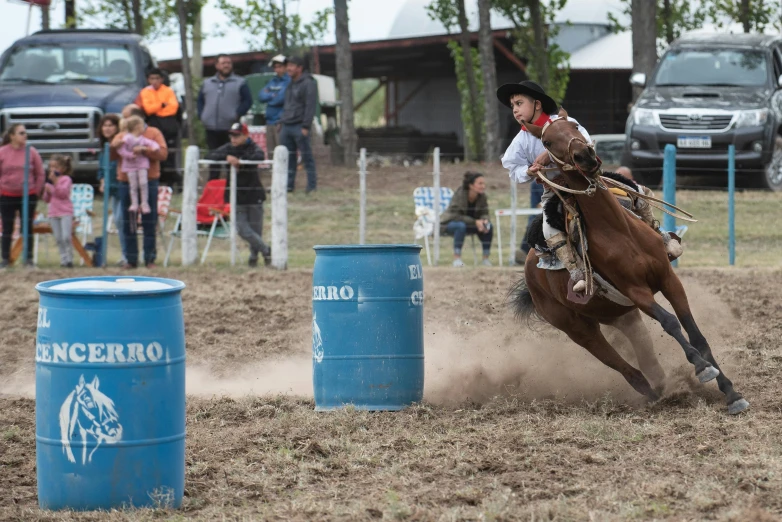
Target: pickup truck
708 91
60 83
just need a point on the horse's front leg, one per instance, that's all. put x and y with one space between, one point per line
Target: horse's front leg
644 300
632 326
674 292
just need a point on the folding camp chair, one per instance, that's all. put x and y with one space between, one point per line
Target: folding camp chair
82 197
423 199
211 211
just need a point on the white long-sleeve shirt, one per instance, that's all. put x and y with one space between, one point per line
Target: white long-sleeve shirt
524 149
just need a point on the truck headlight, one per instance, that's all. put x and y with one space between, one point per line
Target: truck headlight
644 117
753 118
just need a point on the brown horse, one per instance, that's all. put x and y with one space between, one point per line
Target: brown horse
629 255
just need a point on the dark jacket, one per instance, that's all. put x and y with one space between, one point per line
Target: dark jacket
301 97
273 95
457 209
221 102
249 190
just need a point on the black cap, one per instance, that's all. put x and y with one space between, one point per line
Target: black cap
528 88
239 129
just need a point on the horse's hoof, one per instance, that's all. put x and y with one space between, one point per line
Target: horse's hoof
707 374
737 407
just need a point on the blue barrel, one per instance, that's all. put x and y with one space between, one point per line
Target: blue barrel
110 393
367 326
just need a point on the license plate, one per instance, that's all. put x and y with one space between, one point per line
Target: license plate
694 142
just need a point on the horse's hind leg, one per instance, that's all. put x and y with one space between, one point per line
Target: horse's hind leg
632 326
644 300
674 292
586 333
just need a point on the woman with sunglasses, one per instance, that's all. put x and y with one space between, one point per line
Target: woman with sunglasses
12 154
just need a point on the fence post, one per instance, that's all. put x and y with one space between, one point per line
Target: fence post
669 188
232 200
514 204
25 204
436 174
731 204
280 208
189 203
362 173
104 166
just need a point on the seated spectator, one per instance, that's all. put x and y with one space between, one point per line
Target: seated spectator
468 213
250 193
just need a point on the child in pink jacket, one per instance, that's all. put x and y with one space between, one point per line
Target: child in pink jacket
57 192
136 165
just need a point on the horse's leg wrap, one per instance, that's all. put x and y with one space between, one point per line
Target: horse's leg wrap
644 210
559 244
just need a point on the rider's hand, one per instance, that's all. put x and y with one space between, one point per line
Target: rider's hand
543 158
100 187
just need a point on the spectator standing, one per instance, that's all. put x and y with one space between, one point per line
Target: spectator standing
273 95
468 213
222 100
161 106
12 152
109 128
148 221
301 96
57 192
250 193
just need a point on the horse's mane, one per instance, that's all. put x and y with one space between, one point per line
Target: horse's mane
102 401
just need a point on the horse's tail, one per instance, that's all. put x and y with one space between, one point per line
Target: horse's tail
520 301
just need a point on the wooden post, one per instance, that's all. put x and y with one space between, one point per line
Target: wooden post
280 208
514 204
362 173
436 173
189 203
233 215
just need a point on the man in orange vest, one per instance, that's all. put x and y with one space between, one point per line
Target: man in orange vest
160 104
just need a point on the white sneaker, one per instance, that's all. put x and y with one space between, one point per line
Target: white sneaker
458 262
486 262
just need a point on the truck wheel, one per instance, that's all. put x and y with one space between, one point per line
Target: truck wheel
772 175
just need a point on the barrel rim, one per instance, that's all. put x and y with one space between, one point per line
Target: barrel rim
43 287
400 246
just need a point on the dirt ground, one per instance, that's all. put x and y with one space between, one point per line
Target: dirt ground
516 423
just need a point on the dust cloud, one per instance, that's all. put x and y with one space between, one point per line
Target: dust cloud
292 376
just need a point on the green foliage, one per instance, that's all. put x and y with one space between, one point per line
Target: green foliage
445 12
159 16
760 15
370 114
550 61
469 111
264 20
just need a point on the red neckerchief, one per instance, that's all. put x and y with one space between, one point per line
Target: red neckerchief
542 119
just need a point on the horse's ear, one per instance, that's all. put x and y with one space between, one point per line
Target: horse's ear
562 113
81 380
95 383
533 129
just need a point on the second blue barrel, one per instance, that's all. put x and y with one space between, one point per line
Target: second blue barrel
367 326
110 393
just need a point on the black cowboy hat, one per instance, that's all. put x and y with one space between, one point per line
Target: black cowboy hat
528 88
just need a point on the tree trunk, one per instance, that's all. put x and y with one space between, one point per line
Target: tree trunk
489 71
70 14
644 27
345 81
667 21
45 23
189 107
540 45
469 74
197 61
284 29
126 11
138 19
744 15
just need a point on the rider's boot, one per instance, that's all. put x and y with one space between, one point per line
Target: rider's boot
558 243
644 210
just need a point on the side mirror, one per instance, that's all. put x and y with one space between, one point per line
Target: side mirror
639 79
779 81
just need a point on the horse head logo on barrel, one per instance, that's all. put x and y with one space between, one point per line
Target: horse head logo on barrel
88 413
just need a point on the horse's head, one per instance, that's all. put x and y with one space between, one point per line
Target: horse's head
567 145
97 413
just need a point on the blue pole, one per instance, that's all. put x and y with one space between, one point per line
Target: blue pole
104 165
669 188
25 203
731 204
